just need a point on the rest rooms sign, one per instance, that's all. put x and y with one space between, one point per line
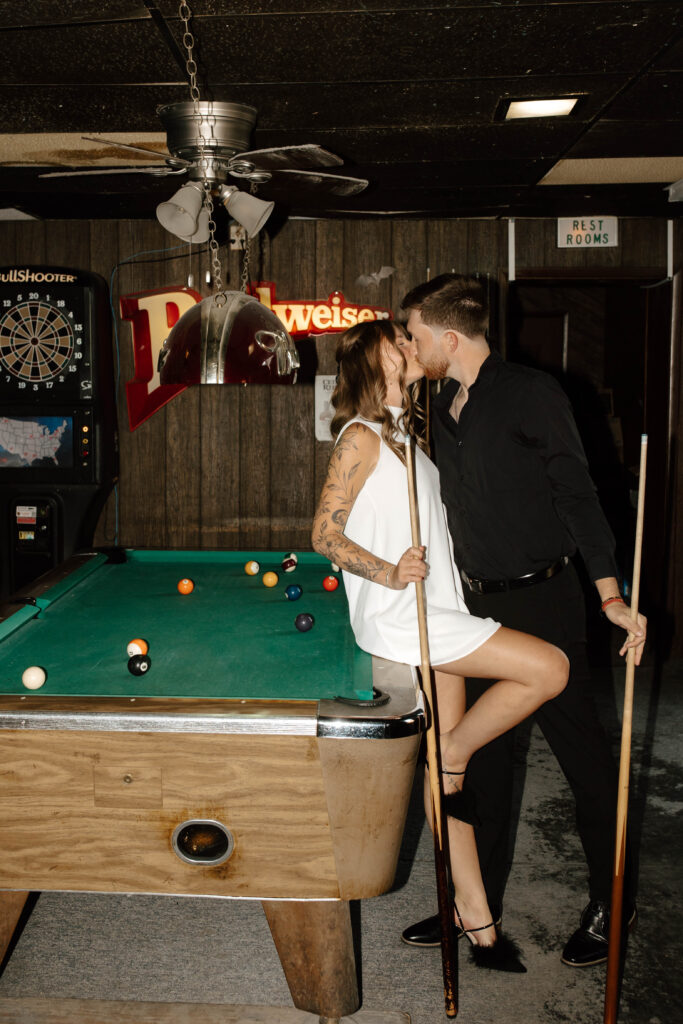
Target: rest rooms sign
587 232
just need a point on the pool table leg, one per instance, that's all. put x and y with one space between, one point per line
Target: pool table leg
315 945
11 906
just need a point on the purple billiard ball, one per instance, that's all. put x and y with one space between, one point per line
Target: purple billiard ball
304 621
293 592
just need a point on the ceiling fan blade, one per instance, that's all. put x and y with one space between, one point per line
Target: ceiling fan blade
297 157
330 184
161 172
136 149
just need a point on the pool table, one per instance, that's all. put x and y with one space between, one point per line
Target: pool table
250 761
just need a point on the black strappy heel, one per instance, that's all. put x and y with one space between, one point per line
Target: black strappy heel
460 804
503 955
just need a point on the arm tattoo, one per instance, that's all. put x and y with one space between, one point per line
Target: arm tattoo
339 493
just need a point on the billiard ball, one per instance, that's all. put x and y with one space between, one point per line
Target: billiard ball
139 664
288 564
293 592
185 586
291 556
252 568
304 621
270 579
137 646
330 583
334 567
33 677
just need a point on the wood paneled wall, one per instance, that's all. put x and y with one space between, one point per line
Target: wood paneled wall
238 467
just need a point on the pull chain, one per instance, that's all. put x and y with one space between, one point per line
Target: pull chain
184 13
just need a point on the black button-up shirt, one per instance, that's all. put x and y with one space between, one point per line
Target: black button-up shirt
514 476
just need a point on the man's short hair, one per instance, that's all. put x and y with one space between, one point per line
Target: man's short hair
451 301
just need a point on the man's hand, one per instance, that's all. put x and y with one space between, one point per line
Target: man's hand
620 614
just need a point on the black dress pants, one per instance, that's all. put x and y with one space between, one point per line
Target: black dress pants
553 610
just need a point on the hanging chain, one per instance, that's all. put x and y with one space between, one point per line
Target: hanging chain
184 13
244 281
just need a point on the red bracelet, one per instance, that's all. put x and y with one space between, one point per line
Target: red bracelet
612 600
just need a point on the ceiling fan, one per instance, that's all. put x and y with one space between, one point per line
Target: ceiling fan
208 142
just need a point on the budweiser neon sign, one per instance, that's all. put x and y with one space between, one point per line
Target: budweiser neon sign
316 316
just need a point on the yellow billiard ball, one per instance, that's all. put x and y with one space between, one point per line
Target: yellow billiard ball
270 579
252 568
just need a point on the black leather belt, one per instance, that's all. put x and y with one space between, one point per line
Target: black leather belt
500 586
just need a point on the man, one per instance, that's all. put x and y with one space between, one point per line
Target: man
520 503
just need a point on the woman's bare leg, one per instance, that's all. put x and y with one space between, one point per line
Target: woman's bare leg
529 672
470 894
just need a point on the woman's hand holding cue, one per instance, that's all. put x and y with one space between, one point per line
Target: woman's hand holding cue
410 568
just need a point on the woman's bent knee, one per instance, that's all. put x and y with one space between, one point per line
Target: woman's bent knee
557 672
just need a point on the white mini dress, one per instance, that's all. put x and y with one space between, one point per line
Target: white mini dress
383 620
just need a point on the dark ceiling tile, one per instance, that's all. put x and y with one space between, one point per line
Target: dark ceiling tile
122 51
655 97
30 13
640 138
509 141
99 109
431 44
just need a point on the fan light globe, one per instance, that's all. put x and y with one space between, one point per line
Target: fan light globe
180 214
202 232
249 211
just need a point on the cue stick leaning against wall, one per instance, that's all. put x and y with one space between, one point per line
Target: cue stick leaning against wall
614 947
448 945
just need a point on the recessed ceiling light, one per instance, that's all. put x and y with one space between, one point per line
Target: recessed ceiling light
558 107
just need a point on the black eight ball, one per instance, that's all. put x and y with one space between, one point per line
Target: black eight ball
139 664
304 622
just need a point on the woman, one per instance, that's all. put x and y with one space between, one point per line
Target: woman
363 524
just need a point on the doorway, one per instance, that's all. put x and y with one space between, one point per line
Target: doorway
608 342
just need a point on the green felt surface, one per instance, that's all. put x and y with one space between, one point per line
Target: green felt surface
232 637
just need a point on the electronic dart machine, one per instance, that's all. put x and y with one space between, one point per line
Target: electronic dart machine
58 439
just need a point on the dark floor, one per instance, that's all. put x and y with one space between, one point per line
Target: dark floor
166 949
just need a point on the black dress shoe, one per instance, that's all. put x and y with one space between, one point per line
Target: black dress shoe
589 944
428 933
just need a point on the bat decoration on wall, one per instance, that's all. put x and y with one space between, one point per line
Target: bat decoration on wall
376 277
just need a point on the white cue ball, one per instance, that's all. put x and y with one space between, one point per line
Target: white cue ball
33 677
334 567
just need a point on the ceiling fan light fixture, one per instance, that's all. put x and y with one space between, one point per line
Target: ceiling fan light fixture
249 211
560 106
202 233
180 214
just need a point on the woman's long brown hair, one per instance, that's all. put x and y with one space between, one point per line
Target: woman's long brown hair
361 387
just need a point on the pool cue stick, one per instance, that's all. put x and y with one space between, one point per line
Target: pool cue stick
448 942
614 947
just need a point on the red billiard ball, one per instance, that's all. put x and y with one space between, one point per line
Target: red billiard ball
185 586
330 583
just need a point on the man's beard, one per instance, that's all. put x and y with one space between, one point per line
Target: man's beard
436 368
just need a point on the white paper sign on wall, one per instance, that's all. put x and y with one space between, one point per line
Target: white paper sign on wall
587 232
324 411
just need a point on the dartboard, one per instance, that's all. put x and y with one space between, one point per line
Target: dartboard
47 319
36 341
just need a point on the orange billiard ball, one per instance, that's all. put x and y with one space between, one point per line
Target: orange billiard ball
270 579
330 583
137 646
185 586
